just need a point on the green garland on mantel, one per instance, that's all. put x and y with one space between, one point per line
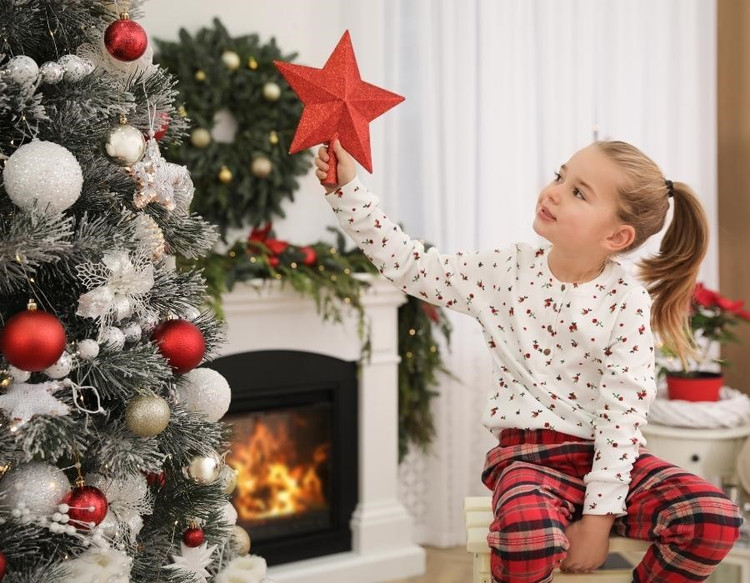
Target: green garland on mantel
328 275
243 184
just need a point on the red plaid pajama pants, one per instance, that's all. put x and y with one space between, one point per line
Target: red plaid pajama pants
536 478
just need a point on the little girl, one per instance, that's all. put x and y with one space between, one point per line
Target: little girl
570 335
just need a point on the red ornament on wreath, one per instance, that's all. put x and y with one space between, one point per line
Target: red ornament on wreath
193 537
32 340
181 343
125 39
87 505
310 258
3 565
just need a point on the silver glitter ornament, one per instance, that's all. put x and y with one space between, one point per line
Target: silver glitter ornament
132 332
37 486
125 144
204 469
19 376
45 174
74 66
51 72
147 415
205 391
88 349
113 337
61 368
22 69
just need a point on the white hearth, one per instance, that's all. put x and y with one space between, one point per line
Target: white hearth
263 316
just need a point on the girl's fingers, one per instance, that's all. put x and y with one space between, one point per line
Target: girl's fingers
323 153
320 164
320 174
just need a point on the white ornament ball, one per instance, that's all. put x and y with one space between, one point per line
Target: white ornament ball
228 479
147 415
261 167
229 514
88 349
200 137
74 66
113 337
20 376
125 145
45 174
37 486
271 91
204 469
22 69
51 72
61 368
240 540
204 390
231 60
132 332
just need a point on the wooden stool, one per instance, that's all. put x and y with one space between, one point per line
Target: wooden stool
479 516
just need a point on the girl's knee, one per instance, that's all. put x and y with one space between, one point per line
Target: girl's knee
708 522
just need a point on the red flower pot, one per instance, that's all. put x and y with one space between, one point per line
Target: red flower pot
703 386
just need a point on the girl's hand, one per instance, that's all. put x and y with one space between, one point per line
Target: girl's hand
589 544
345 169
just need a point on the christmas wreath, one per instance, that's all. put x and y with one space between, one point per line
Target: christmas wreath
232 82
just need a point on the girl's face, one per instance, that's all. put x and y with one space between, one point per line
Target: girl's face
577 210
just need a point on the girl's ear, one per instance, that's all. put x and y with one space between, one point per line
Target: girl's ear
621 238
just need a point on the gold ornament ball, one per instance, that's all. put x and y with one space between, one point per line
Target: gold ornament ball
200 75
252 63
181 111
273 137
231 60
200 137
261 167
228 478
240 540
271 91
225 175
204 469
147 415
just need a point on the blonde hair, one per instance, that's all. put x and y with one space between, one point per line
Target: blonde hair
670 275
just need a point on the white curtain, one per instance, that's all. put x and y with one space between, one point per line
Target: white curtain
499 94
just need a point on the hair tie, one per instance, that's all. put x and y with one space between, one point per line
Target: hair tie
670 188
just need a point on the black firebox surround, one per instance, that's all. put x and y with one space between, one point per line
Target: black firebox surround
276 379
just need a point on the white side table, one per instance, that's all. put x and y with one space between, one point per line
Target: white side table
711 454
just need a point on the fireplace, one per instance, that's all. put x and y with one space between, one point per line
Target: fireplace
264 319
294 446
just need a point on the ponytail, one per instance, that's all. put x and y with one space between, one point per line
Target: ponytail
671 275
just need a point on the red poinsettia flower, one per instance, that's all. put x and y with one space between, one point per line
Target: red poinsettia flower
704 296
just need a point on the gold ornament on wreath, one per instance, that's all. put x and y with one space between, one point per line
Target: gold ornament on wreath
260 173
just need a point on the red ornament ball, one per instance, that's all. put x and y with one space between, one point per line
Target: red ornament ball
154 478
163 126
87 504
3 565
181 343
32 340
193 537
125 39
311 258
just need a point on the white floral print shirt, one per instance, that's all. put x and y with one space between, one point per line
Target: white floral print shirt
573 358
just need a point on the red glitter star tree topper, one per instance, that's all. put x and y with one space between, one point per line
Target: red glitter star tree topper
337 104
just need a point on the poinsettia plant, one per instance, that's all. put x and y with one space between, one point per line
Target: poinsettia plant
712 319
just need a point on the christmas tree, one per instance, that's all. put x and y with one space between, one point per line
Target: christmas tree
111 453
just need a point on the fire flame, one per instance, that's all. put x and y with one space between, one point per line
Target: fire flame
271 481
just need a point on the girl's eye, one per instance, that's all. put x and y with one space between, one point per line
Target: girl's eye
578 194
558 177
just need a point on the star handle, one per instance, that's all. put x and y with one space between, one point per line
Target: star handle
331 178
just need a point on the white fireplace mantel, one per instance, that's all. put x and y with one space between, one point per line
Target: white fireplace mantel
262 315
